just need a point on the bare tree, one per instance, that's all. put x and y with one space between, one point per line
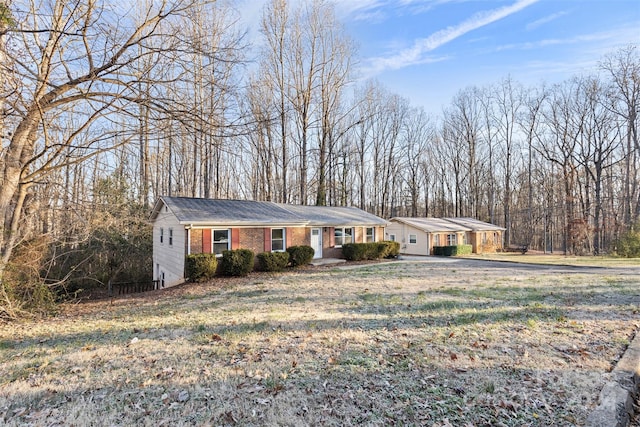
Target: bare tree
275 27
72 60
419 134
623 67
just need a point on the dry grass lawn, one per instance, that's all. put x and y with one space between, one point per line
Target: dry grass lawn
438 343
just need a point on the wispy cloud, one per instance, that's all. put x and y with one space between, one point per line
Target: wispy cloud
535 24
416 53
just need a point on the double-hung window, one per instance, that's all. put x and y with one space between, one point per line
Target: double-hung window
171 237
220 241
342 236
277 240
370 235
452 239
161 235
413 239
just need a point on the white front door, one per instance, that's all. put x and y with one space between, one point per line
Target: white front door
316 242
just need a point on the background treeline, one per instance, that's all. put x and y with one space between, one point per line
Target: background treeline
106 107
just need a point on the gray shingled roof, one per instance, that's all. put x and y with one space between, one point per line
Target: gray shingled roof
229 212
434 225
199 211
329 216
475 224
431 225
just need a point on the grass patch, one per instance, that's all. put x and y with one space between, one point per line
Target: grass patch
399 343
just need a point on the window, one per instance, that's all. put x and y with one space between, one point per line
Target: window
452 239
370 235
413 239
484 238
220 241
162 279
495 239
437 240
392 237
277 240
171 237
343 236
161 235
465 240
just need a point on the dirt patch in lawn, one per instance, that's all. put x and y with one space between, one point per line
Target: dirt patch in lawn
421 343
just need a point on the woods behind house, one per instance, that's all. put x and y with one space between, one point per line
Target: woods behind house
106 107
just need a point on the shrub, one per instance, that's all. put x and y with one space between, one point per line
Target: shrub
629 244
300 255
363 251
452 250
464 249
388 249
273 261
200 267
238 262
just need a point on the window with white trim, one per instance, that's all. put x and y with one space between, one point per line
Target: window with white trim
220 241
392 237
161 235
452 239
277 240
171 237
413 239
342 236
370 235
437 243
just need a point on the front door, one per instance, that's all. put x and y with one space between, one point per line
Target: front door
316 242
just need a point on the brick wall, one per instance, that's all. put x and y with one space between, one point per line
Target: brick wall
297 236
252 238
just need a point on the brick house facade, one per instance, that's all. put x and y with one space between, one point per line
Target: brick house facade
212 226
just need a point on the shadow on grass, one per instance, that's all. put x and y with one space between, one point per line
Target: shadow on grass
354 308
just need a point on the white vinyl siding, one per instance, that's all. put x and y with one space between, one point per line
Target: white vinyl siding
169 259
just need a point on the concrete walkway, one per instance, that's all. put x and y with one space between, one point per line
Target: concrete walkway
326 261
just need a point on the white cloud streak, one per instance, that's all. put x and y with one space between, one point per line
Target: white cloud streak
416 53
535 24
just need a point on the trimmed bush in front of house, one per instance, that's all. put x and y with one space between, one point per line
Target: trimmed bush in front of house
272 261
360 251
389 249
300 255
452 250
200 267
237 262
370 251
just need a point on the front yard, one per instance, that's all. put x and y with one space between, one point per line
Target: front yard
439 342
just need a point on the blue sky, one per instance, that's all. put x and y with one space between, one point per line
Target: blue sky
427 50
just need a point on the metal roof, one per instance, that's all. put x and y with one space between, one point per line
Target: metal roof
434 225
199 211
